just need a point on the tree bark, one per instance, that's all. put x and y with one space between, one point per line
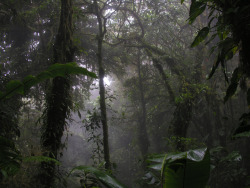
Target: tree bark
180 122
102 31
58 100
159 68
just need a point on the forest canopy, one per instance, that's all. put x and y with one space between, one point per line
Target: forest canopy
124 93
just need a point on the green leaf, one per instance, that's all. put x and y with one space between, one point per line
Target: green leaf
156 167
4 173
102 176
242 135
55 70
227 45
202 34
230 91
156 158
233 156
234 84
44 76
226 49
196 9
29 81
244 128
14 85
182 1
215 66
151 179
69 68
196 155
191 168
211 39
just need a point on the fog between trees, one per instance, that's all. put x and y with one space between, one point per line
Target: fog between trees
112 84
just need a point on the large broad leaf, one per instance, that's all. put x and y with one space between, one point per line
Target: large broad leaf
55 70
233 84
202 34
226 49
189 169
215 66
244 129
157 160
102 176
151 179
196 9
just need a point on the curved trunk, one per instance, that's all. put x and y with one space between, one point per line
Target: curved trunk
159 68
168 87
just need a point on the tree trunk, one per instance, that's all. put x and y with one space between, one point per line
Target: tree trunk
168 87
58 100
159 68
181 120
102 31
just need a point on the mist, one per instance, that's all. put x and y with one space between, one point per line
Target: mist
139 94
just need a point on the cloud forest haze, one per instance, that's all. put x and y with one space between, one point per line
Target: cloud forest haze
124 93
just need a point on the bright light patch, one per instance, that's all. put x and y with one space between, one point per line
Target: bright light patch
107 81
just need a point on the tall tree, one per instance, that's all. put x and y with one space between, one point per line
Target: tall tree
58 100
101 73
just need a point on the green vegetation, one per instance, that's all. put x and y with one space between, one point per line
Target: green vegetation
117 94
